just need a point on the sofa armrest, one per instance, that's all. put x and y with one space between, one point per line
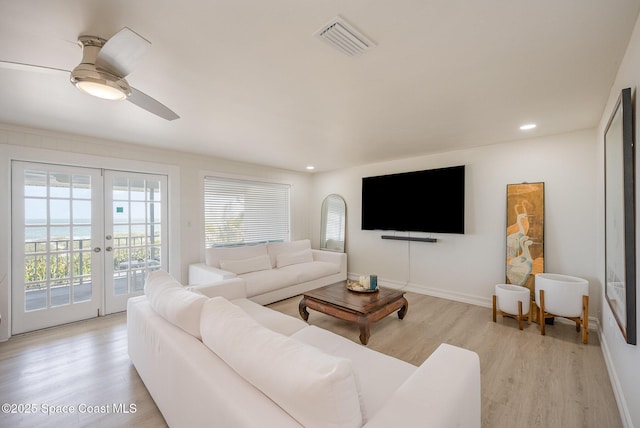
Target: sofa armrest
201 273
230 289
331 257
443 392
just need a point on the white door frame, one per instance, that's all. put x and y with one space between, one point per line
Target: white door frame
9 152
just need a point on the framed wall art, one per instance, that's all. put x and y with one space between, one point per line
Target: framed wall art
620 251
525 233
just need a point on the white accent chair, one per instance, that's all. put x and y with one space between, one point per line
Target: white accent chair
563 296
512 301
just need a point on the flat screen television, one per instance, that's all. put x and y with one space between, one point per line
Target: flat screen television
419 201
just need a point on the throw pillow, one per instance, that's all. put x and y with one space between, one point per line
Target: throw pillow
251 264
156 282
294 258
275 248
316 389
173 302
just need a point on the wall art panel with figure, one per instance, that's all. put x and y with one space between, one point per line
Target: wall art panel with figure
525 233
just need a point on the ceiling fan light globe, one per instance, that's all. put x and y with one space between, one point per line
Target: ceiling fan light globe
101 90
93 81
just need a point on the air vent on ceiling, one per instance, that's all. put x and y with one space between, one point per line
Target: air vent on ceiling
344 37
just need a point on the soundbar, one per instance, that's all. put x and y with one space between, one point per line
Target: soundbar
409 238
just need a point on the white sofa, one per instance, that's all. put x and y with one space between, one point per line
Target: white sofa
273 271
227 361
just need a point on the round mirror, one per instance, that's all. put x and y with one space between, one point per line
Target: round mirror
333 219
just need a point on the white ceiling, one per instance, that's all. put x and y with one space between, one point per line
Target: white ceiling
251 83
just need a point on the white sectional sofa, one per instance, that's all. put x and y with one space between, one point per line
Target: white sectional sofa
227 361
273 271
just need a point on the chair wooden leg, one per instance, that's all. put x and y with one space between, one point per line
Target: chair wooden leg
529 315
585 319
541 317
494 308
520 314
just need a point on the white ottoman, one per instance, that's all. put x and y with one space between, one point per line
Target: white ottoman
512 301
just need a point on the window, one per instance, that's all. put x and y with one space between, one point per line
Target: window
241 212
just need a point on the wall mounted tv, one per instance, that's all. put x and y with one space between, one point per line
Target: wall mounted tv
418 201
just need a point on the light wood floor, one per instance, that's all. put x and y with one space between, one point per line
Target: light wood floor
528 380
80 364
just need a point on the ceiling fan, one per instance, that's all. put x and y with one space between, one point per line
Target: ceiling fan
104 66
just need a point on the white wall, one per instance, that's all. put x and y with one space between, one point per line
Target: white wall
185 172
623 360
467 267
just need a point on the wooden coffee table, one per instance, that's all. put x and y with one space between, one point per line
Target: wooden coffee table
362 308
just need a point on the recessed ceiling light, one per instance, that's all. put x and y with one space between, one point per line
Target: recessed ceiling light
528 126
310 167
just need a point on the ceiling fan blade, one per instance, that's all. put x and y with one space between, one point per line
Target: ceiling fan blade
31 67
121 53
144 101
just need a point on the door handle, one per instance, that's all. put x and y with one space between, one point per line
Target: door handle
108 248
96 250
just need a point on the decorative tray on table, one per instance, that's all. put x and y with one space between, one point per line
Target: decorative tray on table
358 288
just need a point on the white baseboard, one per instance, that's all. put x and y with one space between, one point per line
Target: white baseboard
432 291
471 299
623 408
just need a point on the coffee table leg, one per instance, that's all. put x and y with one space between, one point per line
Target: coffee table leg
403 310
365 330
302 308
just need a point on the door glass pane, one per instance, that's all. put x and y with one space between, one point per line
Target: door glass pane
36 296
35 211
154 212
120 212
59 185
153 191
120 189
138 212
59 235
81 289
60 293
137 190
155 230
60 211
81 187
35 183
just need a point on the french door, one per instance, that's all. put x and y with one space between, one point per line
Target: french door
135 233
82 241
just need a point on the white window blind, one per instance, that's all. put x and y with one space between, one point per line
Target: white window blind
241 212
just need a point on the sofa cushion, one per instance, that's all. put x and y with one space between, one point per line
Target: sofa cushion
316 389
212 256
275 248
309 271
174 303
294 258
263 281
376 386
251 264
273 320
